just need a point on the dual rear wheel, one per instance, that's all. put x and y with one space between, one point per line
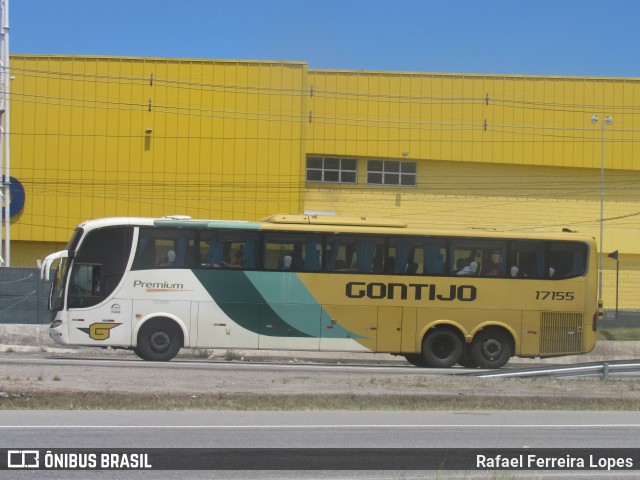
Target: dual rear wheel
443 347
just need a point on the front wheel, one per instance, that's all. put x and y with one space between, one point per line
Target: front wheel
491 349
442 348
416 359
159 341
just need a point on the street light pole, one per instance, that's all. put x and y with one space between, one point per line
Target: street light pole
607 121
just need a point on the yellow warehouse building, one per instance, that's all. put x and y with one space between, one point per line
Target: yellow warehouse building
101 136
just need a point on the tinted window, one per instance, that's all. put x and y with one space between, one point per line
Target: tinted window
165 248
417 256
227 249
567 259
292 252
347 253
479 257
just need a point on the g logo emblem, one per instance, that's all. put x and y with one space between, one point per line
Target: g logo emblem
99 331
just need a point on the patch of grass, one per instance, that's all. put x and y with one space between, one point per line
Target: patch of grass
197 353
232 355
625 334
72 400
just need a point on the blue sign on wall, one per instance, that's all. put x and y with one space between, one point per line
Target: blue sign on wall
17 197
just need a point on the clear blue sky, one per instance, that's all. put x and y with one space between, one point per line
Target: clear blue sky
535 37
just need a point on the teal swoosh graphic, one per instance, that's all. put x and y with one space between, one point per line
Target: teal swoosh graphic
245 304
293 303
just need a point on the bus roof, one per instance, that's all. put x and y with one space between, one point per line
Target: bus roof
335 220
329 223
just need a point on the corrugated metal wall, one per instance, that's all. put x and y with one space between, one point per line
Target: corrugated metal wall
475 118
96 137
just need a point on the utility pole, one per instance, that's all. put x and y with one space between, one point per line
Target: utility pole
5 190
606 121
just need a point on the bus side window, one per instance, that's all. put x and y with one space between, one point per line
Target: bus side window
402 256
435 258
528 260
312 260
567 260
291 252
209 250
145 253
360 253
165 248
479 257
238 250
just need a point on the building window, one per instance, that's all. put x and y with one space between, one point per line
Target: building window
391 172
331 169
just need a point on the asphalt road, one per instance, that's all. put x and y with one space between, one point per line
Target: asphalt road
319 429
286 430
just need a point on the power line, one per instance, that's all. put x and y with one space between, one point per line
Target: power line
152 81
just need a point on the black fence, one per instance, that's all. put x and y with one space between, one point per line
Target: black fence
23 297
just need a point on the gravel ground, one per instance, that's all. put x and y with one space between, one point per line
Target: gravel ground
23 371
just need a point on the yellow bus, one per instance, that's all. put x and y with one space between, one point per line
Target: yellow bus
324 283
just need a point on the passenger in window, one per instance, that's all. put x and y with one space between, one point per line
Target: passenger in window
412 268
470 269
286 262
514 271
552 272
239 260
493 270
168 260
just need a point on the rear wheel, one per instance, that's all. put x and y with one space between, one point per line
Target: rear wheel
492 348
442 348
159 341
467 360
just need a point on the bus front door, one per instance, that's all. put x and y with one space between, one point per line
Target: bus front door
107 324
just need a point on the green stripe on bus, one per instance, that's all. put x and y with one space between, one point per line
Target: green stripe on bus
242 302
206 224
293 303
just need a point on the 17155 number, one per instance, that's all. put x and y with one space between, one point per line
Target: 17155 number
543 295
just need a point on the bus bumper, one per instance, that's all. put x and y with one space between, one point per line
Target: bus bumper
58 332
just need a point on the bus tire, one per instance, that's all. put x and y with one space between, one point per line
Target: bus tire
416 359
492 348
137 351
442 348
159 341
467 360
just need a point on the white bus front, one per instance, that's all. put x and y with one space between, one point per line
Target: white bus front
84 287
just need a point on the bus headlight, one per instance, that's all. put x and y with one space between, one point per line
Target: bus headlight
55 324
